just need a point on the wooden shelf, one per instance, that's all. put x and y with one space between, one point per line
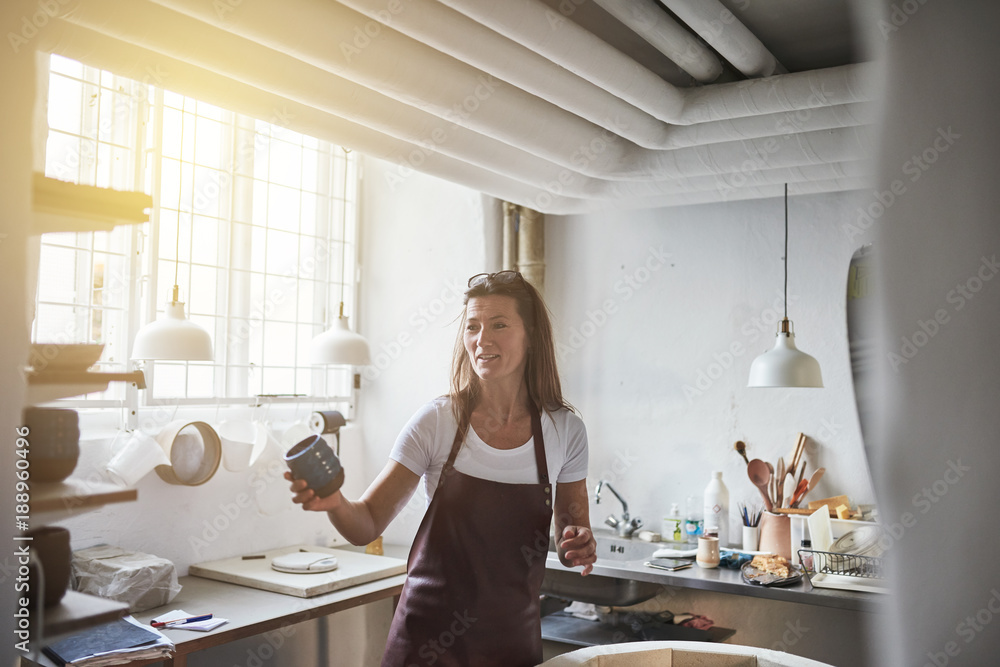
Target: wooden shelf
60 206
79 611
51 385
75 496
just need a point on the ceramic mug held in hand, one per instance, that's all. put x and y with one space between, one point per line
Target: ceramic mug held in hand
313 460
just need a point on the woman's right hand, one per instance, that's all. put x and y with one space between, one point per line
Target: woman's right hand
309 500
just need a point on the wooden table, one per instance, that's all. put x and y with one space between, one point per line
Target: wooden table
251 612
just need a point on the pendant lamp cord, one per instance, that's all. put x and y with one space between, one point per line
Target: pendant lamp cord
177 244
343 236
786 251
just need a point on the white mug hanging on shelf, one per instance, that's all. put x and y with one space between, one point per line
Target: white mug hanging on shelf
135 459
238 440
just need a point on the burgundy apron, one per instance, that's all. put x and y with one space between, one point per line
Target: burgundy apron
475 571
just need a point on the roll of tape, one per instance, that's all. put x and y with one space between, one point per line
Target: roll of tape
326 421
197 467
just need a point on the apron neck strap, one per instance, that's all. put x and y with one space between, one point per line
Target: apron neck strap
541 462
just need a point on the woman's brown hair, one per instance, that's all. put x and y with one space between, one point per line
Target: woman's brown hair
540 372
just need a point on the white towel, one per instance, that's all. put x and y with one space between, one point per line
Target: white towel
667 552
584 610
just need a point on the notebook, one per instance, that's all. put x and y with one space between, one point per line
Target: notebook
114 636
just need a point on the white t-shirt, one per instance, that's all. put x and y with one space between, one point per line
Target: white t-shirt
425 442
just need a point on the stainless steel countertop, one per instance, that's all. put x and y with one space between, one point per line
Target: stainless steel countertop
726 580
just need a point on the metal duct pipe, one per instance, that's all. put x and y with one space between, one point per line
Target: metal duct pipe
495 54
726 34
537 27
667 36
509 236
531 247
551 196
509 115
512 145
505 59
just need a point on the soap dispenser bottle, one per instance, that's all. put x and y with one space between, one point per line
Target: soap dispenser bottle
672 528
717 508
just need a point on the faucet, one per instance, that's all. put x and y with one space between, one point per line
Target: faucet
623 526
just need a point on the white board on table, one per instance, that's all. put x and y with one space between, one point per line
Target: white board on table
353 568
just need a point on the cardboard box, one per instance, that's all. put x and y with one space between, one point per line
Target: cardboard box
678 654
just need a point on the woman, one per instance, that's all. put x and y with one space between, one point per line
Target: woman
487 453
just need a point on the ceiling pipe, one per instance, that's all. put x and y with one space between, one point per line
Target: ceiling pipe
524 179
667 36
412 72
537 128
216 89
725 33
531 247
539 28
483 162
496 54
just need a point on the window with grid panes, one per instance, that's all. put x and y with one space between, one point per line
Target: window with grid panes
255 223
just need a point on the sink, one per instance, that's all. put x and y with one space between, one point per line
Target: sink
612 547
599 589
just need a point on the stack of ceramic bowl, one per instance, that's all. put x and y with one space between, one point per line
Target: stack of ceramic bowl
54 443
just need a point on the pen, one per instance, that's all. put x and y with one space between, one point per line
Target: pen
180 621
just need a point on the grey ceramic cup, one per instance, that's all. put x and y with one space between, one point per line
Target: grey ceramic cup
313 460
51 545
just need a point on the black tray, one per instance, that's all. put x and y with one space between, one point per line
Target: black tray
568 629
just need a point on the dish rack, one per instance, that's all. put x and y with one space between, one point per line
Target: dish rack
845 571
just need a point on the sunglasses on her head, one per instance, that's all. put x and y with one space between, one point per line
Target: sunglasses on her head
501 277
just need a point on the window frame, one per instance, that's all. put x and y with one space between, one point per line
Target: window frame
145 298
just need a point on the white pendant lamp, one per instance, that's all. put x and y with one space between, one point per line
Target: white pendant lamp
339 345
174 337
785 365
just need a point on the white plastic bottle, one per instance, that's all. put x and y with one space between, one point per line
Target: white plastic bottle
716 511
672 528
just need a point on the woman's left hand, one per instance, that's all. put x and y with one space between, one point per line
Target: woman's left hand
578 547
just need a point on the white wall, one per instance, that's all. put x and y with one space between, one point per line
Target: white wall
421 240
656 353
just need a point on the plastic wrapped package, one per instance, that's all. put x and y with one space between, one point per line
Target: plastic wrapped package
142 580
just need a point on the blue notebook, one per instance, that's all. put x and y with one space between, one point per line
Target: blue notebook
113 636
